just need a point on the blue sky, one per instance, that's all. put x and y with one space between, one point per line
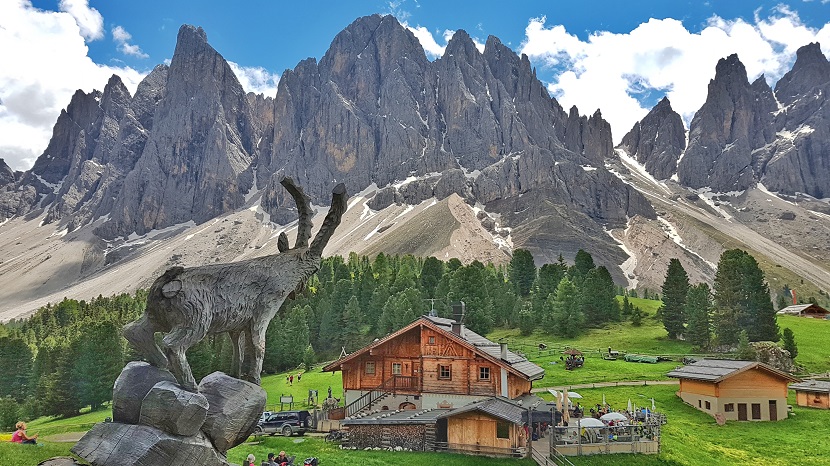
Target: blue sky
618 56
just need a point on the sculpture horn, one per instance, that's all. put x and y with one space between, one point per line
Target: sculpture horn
303 202
336 211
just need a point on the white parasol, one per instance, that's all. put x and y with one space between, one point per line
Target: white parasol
614 417
590 422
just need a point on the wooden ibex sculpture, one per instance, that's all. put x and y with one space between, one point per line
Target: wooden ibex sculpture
239 298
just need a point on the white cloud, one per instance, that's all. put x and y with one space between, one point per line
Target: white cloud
256 79
609 71
88 19
44 61
122 38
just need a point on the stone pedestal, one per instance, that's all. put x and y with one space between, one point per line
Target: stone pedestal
161 423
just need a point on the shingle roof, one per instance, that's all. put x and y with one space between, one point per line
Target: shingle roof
814 386
716 370
517 362
423 416
496 406
797 309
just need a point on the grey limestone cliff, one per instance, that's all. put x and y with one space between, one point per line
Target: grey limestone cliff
657 141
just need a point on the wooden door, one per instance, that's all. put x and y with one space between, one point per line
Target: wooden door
773 410
756 410
742 412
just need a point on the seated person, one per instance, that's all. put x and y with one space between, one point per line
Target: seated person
20 436
282 459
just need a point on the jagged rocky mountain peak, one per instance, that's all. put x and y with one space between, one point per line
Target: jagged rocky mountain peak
658 140
811 69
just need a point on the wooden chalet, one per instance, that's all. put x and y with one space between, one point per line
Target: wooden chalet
737 390
812 393
431 363
805 310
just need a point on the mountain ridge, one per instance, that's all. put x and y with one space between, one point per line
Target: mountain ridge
473 127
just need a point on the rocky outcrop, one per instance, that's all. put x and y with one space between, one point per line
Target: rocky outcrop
726 130
196 163
799 158
132 385
235 407
657 141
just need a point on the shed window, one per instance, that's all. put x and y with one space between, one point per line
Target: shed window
370 367
708 405
445 372
729 407
431 341
502 429
396 368
483 373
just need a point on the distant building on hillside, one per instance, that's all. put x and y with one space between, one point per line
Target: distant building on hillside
805 310
812 393
737 390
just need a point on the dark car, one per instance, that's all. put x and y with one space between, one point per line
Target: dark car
286 423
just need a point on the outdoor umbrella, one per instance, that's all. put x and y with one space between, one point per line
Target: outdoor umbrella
629 405
590 422
573 352
554 393
574 395
614 417
603 399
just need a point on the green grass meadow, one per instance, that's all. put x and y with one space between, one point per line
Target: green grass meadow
690 438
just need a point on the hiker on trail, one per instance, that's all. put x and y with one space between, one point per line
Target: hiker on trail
20 436
291 379
299 376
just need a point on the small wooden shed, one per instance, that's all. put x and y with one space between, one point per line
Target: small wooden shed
812 393
489 427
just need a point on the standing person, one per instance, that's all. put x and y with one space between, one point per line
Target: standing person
291 379
299 376
330 390
20 436
249 461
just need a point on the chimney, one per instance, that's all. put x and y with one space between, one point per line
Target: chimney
458 316
503 346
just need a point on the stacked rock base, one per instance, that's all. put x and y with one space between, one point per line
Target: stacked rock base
157 422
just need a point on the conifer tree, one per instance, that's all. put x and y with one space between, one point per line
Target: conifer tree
698 310
789 342
95 362
744 352
636 316
16 366
431 275
675 288
583 263
565 316
522 271
728 297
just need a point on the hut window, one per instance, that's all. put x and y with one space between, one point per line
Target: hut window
502 429
445 372
729 407
370 367
396 368
699 403
708 405
431 341
483 373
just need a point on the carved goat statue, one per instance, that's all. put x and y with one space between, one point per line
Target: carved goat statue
239 298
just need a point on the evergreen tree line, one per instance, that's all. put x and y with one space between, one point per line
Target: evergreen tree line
739 302
67 356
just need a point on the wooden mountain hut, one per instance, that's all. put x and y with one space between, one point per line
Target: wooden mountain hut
812 393
805 310
739 390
